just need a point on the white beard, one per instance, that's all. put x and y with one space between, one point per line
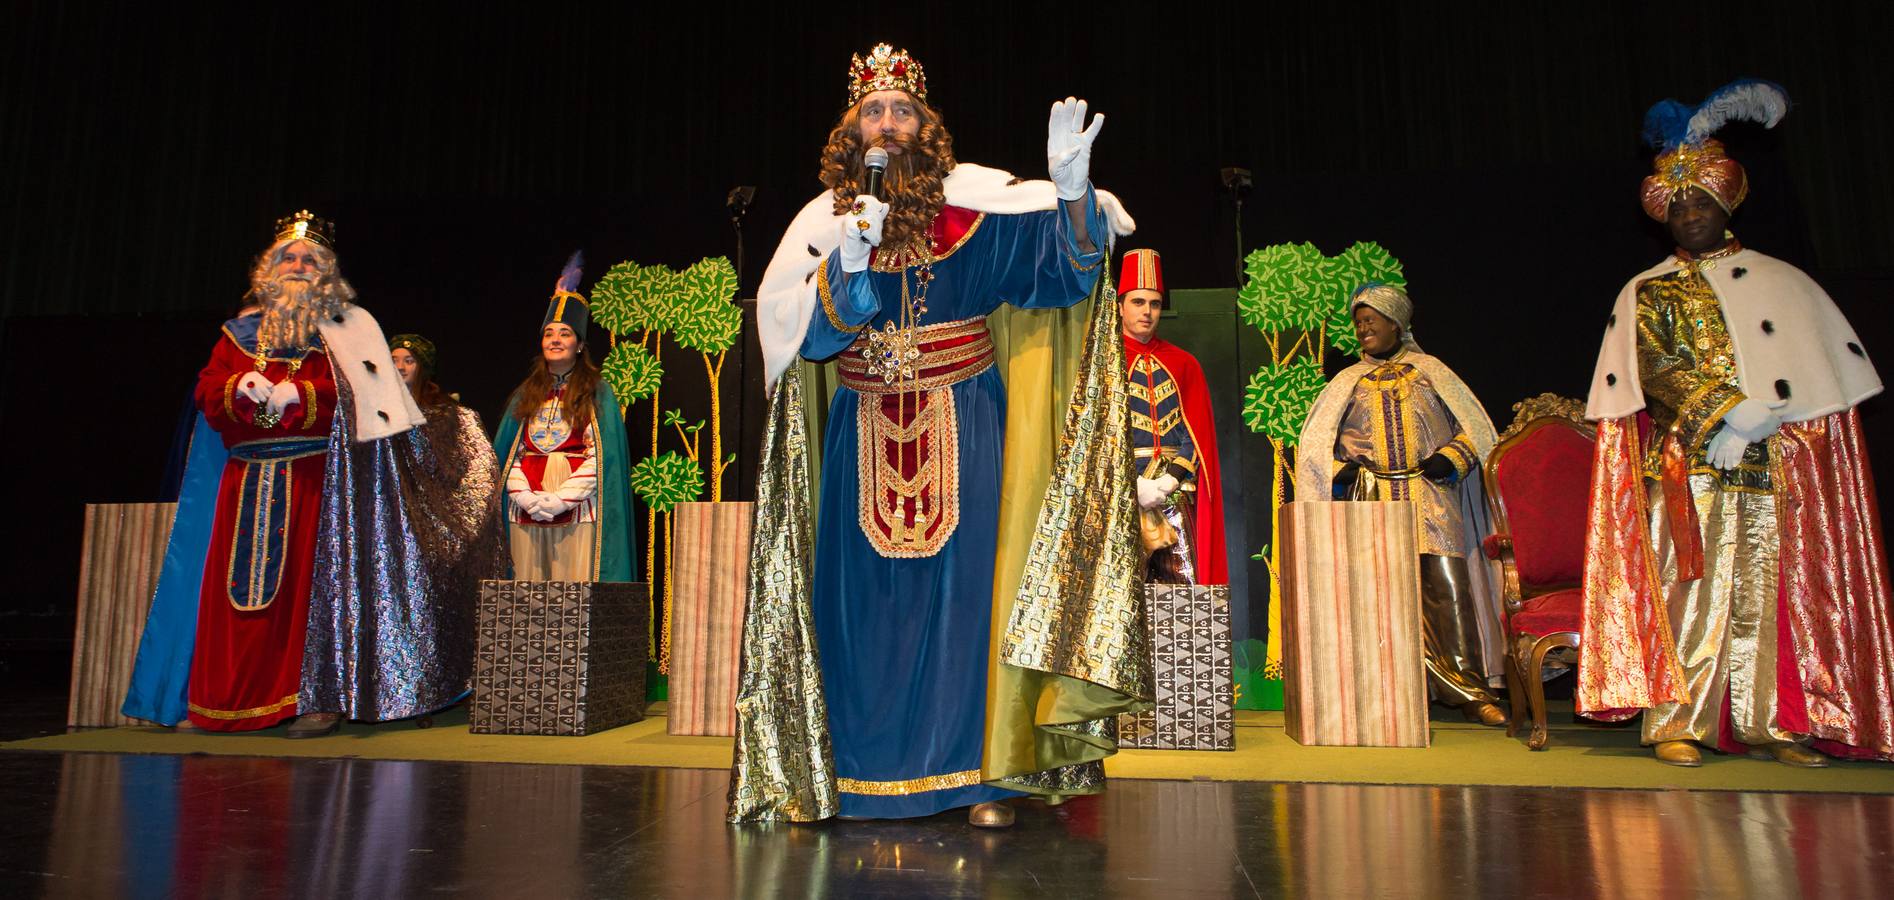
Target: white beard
292 305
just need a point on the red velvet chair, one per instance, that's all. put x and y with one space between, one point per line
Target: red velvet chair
1538 483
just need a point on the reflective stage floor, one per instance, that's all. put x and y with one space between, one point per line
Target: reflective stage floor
96 825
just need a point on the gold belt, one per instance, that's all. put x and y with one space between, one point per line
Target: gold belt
1402 475
891 361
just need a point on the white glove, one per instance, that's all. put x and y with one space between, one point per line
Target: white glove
550 507
254 387
1725 450
527 502
1753 419
858 241
282 395
1068 149
1152 492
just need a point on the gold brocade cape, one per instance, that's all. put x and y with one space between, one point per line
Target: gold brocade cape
1069 651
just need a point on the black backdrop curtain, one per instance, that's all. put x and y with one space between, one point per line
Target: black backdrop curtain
466 149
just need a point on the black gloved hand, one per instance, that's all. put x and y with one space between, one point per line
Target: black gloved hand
1438 468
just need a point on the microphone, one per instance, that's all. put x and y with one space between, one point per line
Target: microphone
876 159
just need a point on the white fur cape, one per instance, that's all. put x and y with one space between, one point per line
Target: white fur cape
1806 348
359 354
787 297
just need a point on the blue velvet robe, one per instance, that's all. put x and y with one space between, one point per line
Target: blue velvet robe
904 641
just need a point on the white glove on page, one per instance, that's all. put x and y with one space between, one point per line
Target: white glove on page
1069 147
254 387
1753 419
1725 450
857 240
1152 492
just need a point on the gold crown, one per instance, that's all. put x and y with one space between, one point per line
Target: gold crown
885 70
306 226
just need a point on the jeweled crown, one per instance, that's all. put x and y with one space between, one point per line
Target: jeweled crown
304 225
885 69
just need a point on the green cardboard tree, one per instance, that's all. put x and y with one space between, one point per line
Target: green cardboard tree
633 300
704 318
662 482
695 309
1298 299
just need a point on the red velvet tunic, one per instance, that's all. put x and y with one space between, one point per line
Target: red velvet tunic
247 666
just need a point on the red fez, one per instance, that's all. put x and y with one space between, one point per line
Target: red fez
1141 272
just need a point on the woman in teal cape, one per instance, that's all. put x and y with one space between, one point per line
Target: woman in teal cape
545 488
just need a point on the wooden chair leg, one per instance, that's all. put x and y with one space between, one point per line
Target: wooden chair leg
1535 685
1515 696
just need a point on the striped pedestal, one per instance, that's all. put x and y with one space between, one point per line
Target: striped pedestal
118 570
710 571
1351 619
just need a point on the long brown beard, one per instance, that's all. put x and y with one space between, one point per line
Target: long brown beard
912 186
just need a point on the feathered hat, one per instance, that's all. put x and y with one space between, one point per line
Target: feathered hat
1688 157
567 304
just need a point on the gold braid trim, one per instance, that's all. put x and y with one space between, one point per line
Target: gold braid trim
230 396
230 714
910 786
828 302
1459 452
309 405
1710 420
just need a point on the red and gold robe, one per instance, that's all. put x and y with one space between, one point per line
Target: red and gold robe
246 669
1147 364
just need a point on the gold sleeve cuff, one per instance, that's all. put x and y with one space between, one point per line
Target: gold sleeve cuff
1188 465
1703 412
1459 451
230 396
828 301
309 405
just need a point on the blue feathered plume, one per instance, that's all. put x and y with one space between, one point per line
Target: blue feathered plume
1671 124
569 278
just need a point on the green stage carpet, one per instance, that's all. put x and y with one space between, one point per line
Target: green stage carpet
1579 756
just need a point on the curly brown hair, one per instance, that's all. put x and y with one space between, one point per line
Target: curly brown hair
913 182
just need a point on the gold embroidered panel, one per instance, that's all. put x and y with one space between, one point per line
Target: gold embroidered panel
908 464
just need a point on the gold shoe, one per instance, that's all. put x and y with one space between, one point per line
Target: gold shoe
1484 713
1679 753
186 726
1790 755
991 814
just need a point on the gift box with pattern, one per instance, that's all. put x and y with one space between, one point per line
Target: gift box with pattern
560 657
1190 648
